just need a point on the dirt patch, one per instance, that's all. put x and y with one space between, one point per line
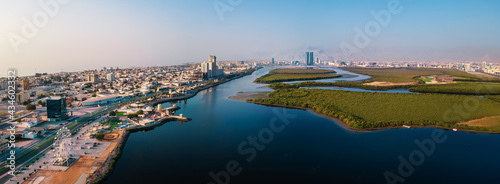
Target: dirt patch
111 136
390 83
493 121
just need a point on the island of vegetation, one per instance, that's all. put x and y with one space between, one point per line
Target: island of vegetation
448 98
365 110
462 88
286 75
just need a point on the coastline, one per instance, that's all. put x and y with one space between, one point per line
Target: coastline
108 167
344 125
102 173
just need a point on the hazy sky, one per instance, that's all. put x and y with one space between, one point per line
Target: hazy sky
92 34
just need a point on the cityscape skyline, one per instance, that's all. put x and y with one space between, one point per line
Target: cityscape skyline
249 91
180 32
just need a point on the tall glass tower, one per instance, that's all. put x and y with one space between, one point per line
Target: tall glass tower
309 58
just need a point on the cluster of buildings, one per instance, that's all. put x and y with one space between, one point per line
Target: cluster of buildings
490 68
109 85
56 96
210 68
309 61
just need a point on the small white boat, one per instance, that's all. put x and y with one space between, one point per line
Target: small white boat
455 129
406 126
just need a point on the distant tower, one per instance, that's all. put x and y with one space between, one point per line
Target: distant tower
92 78
111 77
309 58
62 144
272 61
212 59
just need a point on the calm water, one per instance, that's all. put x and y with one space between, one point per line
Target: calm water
310 149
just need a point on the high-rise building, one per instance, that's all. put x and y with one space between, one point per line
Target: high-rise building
111 77
204 67
212 65
210 68
491 66
56 108
309 61
272 61
309 58
26 84
485 66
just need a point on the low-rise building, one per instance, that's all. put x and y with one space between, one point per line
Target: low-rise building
3 145
22 97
